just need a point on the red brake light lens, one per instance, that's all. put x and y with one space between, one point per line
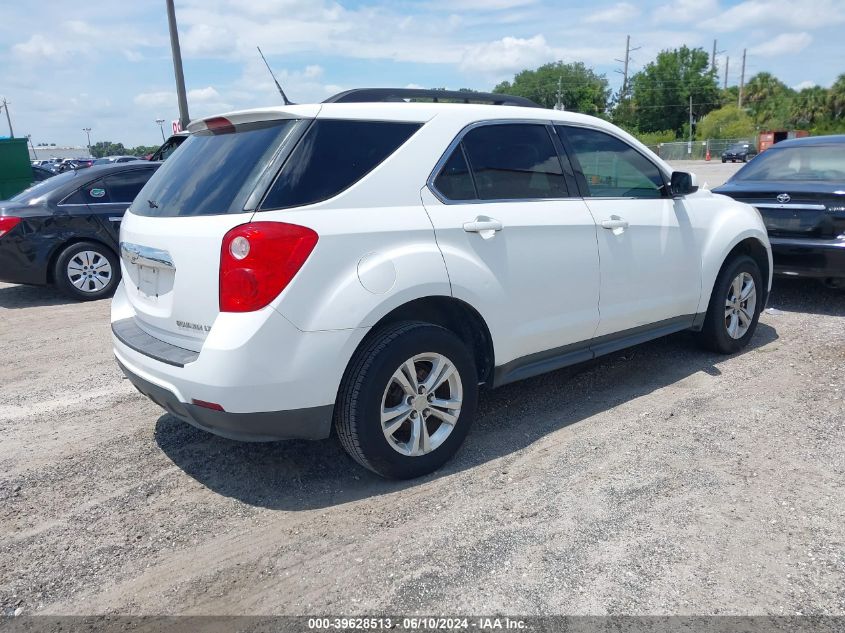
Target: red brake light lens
258 260
7 224
219 125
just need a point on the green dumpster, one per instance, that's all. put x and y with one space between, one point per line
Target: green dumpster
15 167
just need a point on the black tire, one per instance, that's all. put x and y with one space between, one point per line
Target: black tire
714 335
90 289
724 160
745 159
359 402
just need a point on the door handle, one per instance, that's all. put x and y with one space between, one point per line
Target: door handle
615 222
486 227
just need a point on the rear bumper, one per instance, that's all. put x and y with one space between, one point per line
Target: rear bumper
808 257
310 424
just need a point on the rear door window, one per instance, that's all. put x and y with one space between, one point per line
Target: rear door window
331 157
91 193
514 161
214 172
454 181
124 186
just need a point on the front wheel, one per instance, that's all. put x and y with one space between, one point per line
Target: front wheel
407 400
87 271
734 308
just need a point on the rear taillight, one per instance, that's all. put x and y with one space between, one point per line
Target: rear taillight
7 224
258 261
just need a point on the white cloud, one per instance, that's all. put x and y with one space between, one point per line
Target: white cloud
684 11
615 14
758 13
783 44
155 99
803 85
508 54
203 95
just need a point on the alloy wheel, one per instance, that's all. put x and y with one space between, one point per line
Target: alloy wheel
421 404
740 305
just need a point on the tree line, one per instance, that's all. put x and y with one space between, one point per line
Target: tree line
107 148
655 103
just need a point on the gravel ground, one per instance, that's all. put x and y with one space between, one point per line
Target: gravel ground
659 480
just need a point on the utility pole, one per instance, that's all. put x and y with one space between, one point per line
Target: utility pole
558 104
161 127
727 65
713 59
742 79
690 122
9 119
625 62
184 119
87 131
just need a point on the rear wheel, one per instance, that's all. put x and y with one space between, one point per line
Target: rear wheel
407 400
735 306
87 271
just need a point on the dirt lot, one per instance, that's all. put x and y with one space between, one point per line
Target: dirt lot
658 480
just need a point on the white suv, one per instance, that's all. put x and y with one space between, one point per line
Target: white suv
365 264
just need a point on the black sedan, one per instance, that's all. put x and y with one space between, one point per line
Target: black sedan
799 188
64 231
742 152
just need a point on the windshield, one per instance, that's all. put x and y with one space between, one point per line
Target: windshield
212 173
44 187
738 148
807 163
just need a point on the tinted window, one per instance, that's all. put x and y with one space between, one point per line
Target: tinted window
809 163
91 193
212 173
514 162
331 157
612 168
454 180
123 187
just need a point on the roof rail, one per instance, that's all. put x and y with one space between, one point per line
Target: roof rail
378 95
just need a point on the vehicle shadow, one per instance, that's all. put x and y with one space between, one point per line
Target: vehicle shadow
806 295
14 297
301 475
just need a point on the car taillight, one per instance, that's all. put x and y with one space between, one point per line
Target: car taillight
7 224
258 261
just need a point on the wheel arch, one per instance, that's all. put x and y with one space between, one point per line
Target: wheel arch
456 316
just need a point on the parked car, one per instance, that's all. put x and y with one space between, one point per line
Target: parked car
799 188
64 231
366 264
42 163
742 152
74 163
106 160
169 146
41 173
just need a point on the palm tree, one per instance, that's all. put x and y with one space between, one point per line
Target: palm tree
836 98
767 98
809 106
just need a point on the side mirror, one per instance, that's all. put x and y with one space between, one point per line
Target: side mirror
683 183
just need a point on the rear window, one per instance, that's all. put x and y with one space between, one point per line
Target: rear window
807 163
212 173
44 187
331 157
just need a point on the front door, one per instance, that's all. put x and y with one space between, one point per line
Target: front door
650 263
517 245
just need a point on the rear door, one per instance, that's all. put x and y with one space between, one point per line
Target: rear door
118 191
519 244
650 262
172 235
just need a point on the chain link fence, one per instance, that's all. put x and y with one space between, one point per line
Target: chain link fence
697 150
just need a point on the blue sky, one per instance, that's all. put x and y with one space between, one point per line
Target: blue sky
106 64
